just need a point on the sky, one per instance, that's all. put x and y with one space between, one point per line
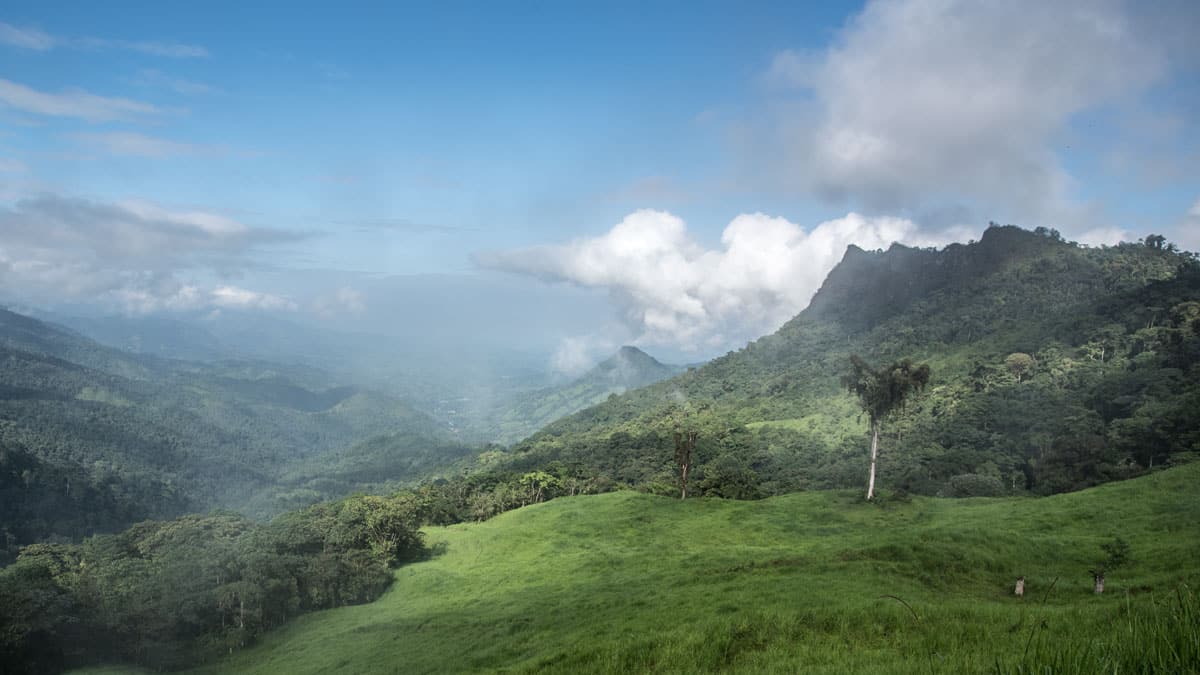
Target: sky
677 175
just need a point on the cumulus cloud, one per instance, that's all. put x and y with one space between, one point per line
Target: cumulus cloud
672 291
129 254
919 102
74 103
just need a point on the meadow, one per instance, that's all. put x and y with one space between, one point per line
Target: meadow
816 582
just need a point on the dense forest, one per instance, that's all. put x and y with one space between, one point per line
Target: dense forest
165 594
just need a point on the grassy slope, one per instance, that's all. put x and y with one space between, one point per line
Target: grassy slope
626 581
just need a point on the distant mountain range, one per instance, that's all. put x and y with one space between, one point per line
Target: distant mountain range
628 369
93 438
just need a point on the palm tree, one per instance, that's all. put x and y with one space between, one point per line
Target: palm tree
881 393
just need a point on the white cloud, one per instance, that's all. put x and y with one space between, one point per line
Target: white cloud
575 355
38 40
129 254
341 302
232 297
25 38
1103 236
1187 232
131 144
168 49
923 102
672 291
74 103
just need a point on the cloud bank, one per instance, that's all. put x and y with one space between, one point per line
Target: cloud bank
130 255
672 291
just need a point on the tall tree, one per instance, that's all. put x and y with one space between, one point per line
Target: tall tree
685 443
882 393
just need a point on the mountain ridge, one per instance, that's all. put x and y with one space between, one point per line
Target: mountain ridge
775 411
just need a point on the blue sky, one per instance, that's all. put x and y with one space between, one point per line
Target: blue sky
285 157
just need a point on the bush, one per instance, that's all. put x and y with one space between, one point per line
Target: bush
973 485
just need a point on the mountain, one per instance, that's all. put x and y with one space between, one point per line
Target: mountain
150 335
461 385
630 368
94 438
1109 338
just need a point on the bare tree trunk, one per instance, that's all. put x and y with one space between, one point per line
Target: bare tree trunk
874 455
684 480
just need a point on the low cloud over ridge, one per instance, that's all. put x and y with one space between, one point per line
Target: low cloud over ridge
672 291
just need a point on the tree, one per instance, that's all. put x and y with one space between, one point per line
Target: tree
684 445
1019 364
882 393
1116 554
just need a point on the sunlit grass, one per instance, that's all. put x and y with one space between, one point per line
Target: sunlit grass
628 582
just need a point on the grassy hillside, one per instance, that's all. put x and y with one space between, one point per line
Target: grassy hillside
627 582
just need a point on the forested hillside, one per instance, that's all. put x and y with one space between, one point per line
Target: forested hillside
1055 367
93 439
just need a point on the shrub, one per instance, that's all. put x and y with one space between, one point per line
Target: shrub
973 485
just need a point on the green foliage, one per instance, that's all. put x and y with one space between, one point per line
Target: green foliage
883 391
165 593
974 485
1116 554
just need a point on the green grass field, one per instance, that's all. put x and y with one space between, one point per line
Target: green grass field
627 582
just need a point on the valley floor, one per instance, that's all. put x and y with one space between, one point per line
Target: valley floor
817 582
